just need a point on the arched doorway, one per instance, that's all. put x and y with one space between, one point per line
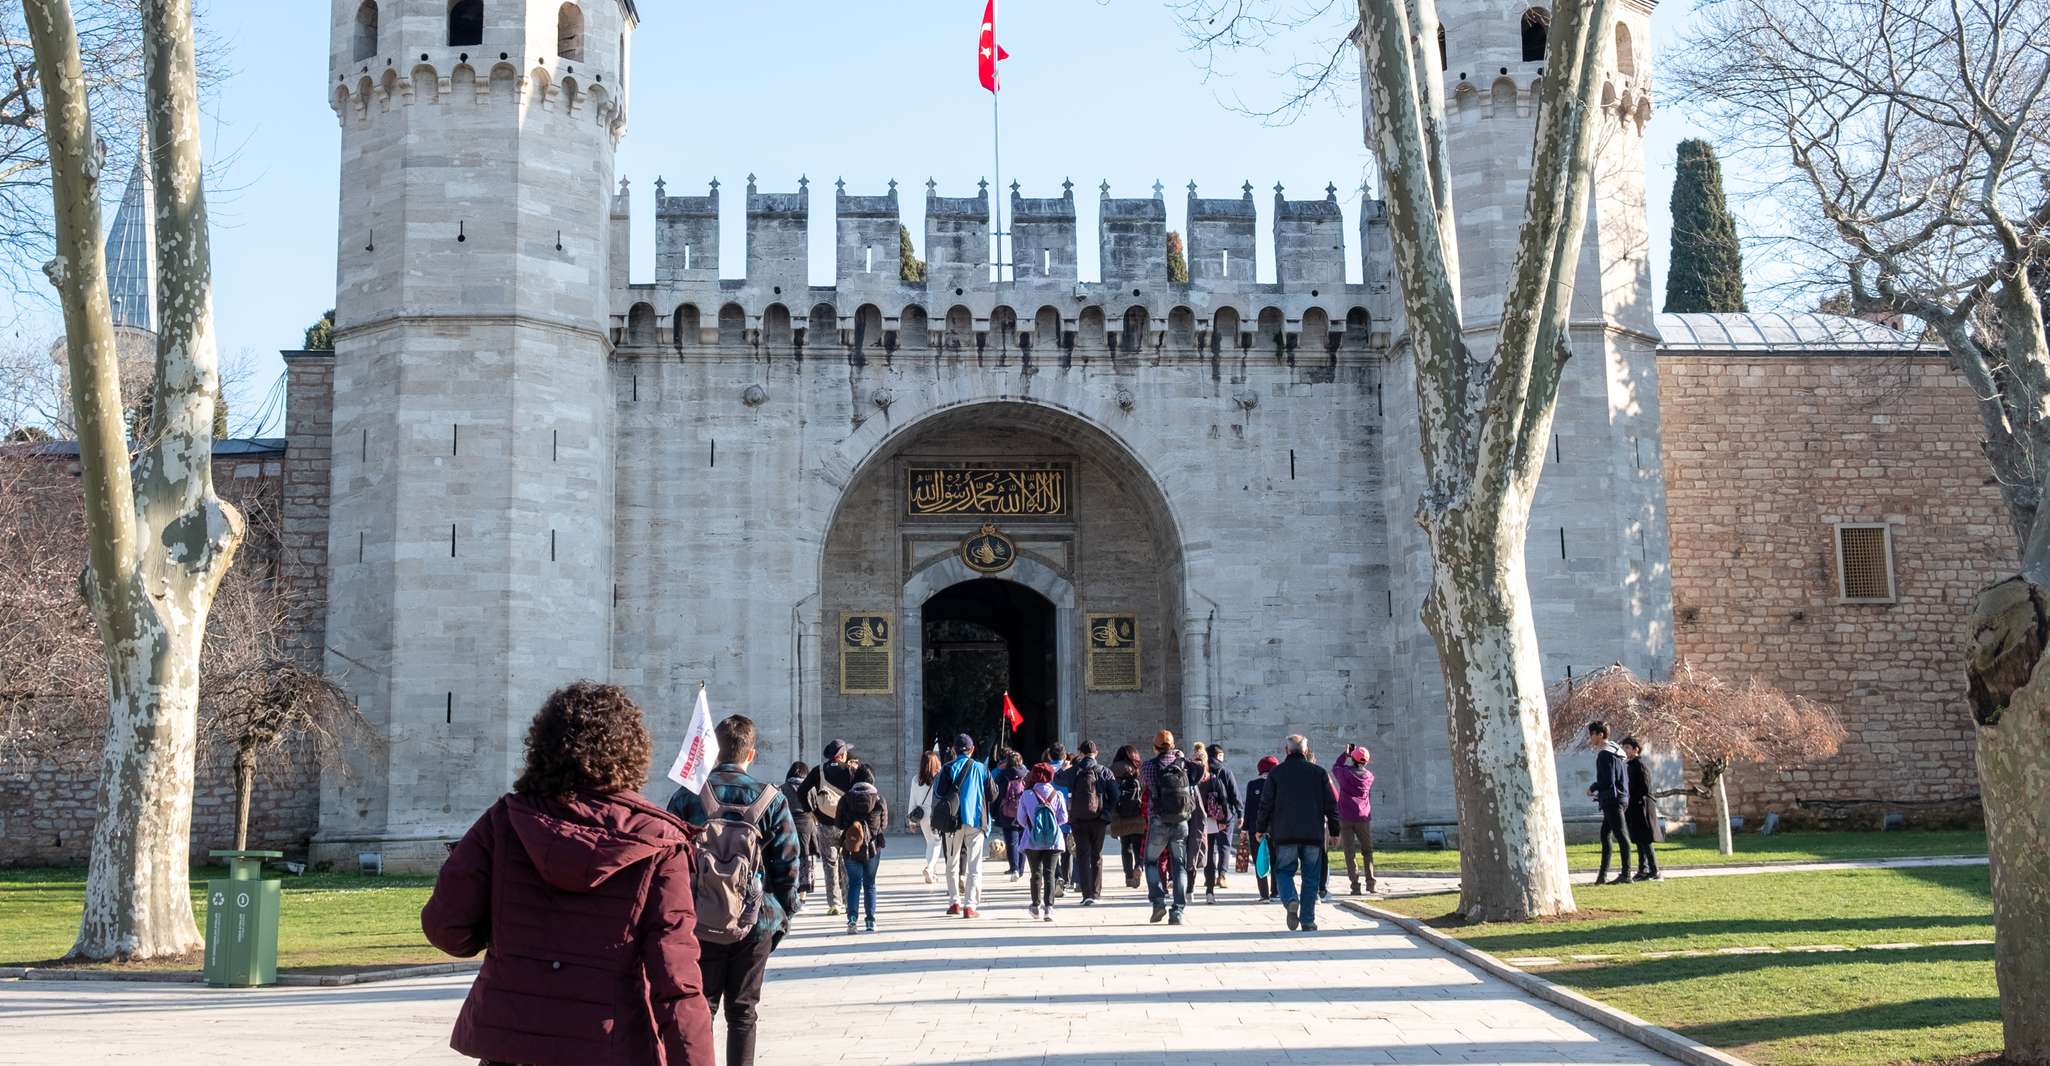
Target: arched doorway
1094 547
984 638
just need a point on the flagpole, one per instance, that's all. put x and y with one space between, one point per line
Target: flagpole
997 140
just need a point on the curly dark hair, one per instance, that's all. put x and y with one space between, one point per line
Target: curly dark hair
588 737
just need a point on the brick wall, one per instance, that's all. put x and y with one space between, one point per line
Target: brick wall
1764 455
47 806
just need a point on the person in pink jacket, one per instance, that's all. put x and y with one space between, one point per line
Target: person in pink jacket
1355 785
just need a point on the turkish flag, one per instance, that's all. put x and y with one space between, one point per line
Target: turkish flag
1011 715
987 54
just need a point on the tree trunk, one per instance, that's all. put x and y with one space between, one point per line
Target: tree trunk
245 787
158 539
2009 692
1723 841
1512 850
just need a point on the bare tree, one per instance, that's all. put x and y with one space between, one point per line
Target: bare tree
1915 135
159 538
258 701
1485 418
110 54
1712 724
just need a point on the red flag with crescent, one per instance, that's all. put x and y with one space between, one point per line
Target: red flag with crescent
988 53
1011 716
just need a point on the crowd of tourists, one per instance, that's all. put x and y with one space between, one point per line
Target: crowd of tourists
618 929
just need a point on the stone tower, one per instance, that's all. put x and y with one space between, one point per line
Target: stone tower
470 542
1597 549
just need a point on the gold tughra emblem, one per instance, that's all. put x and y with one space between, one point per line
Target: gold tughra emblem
988 552
1112 632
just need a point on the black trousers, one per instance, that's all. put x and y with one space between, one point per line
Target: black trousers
1042 864
1088 841
1133 846
1612 826
732 973
1637 818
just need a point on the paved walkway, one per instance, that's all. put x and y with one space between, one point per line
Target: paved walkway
1099 985
1428 884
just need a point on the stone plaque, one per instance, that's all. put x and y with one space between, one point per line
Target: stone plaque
867 659
988 492
1114 653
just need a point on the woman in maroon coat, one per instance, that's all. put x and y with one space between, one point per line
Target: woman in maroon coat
581 890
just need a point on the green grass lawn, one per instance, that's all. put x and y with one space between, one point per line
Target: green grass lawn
1856 1008
1699 850
327 921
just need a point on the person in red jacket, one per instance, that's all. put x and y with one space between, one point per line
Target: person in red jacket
550 878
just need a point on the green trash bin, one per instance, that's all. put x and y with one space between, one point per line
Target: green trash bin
242 923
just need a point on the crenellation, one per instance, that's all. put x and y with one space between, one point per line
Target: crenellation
1040 306
1043 236
1223 243
778 242
957 239
1132 236
1309 240
686 237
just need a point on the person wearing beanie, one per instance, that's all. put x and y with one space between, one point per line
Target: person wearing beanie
1254 789
1043 811
1355 812
828 781
963 805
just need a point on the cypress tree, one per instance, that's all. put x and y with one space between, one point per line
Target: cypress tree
1177 260
320 336
909 266
1706 272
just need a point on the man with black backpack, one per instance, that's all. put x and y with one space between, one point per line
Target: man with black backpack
823 788
1092 799
1170 801
743 881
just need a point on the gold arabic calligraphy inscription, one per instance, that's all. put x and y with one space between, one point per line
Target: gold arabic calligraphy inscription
1009 492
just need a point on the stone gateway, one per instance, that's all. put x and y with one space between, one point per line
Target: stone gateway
870 510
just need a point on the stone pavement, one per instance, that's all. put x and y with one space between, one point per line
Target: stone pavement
1099 985
1430 884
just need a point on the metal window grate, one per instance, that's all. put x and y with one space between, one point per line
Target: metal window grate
1864 563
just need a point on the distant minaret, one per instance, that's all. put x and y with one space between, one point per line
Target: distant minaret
132 255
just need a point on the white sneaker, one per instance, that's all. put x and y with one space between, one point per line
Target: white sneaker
1033 910
1049 915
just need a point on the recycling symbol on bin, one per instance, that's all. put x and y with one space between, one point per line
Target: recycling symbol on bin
220 898
241 899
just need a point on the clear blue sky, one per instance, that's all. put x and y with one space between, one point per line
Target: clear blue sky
1096 90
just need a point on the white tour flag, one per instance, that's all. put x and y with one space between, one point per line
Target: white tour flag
694 763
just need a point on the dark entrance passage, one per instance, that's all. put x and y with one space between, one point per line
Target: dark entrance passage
984 637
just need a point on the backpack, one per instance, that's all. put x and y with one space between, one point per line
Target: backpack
825 799
1014 790
854 839
1085 800
1046 833
726 871
1213 801
946 801
1171 803
1130 803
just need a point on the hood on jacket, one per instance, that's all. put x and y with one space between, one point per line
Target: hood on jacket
864 788
1170 758
1044 790
576 843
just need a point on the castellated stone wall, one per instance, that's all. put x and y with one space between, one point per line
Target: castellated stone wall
48 802
1765 455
